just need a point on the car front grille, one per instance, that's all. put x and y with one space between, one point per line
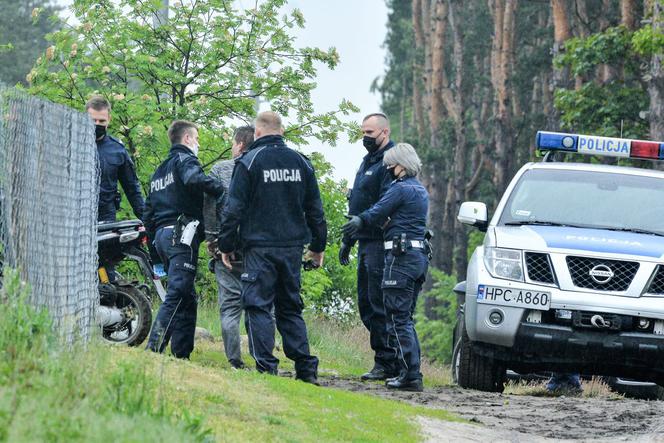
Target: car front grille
580 270
657 284
539 268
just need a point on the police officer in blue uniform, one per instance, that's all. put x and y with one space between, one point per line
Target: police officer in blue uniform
371 182
275 201
114 163
174 218
402 212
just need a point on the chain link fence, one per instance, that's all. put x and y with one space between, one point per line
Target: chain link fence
49 178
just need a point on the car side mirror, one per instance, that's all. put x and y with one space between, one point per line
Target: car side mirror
474 214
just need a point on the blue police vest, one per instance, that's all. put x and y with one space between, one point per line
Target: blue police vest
406 204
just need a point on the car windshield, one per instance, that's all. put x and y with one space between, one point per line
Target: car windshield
587 199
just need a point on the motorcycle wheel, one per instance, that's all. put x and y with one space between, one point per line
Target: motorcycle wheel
137 308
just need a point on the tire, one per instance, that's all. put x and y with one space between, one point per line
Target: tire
474 371
136 306
641 392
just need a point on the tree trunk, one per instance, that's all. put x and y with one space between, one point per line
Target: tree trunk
560 77
502 61
457 106
656 83
628 13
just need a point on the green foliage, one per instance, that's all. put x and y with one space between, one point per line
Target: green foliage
646 41
24 331
611 47
475 239
209 62
23 26
435 323
331 289
600 109
606 107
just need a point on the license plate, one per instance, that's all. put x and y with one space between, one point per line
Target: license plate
520 298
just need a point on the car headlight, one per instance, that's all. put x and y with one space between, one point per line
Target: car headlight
504 263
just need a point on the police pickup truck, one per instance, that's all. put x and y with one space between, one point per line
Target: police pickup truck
570 277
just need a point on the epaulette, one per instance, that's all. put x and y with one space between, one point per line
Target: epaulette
248 157
115 140
307 160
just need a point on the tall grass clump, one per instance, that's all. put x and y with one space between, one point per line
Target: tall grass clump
52 391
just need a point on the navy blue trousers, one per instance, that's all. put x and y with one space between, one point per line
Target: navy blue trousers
176 319
272 278
370 302
402 281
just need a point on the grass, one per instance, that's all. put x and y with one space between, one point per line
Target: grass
593 388
100 392
343 349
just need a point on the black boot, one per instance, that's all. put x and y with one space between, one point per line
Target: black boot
403 384
375 374
311 379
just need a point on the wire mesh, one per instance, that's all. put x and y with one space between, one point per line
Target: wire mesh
49 177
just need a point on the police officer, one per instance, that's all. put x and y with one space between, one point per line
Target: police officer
114 164
371 182
402 212
174 205
275 201
228 282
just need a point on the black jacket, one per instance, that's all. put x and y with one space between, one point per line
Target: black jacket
274 199
115 164
371 182
176 188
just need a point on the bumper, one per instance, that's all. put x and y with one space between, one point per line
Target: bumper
539 347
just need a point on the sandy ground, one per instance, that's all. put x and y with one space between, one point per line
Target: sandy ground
523 418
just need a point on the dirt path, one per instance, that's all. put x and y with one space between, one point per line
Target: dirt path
527 418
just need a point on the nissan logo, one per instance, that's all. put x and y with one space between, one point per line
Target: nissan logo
601 274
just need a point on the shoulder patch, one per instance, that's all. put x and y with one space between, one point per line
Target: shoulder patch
306 160
116 140
182 156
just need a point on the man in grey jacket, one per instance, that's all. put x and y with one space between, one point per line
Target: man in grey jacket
228 282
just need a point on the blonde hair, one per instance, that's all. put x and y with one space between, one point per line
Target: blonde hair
269 121
404 155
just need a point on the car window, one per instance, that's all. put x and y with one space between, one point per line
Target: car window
585 198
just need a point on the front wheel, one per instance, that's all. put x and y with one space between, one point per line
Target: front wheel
472 370
137 314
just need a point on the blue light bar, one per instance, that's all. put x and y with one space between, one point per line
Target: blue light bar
556 141
594 145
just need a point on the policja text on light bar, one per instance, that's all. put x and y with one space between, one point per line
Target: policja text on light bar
595 145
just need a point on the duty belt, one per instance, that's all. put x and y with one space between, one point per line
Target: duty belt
412 243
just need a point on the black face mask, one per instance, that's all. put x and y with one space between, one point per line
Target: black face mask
100 131
370 143
393 173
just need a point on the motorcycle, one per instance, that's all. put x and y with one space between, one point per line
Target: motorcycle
124 313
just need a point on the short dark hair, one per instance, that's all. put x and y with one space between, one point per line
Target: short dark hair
244 135
177 130
382 119
98 103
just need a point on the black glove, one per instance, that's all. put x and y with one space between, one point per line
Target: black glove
352 226
344 252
